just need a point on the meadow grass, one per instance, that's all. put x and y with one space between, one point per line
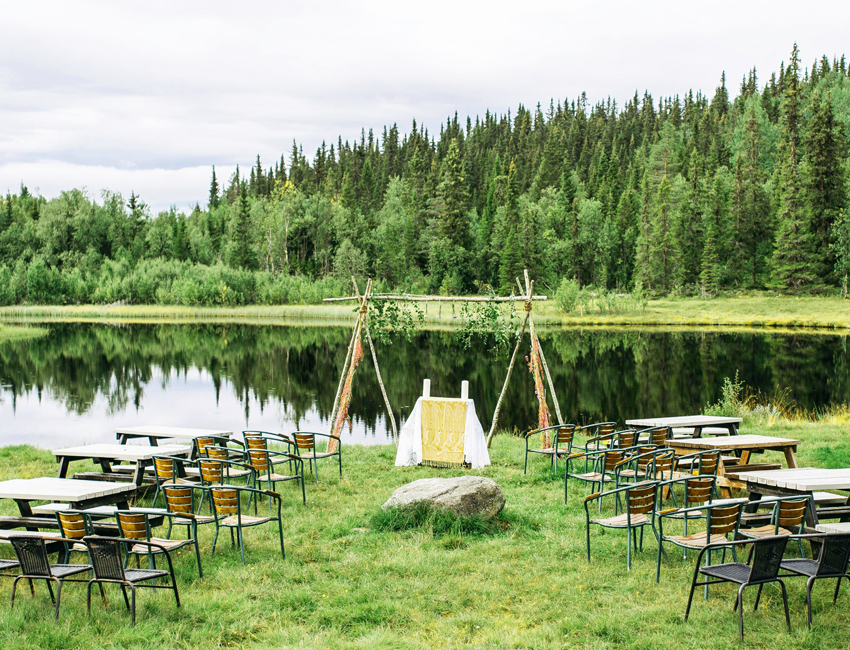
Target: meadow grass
356 578
756 309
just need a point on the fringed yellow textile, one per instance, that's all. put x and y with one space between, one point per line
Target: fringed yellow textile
536 368
443 426
345 396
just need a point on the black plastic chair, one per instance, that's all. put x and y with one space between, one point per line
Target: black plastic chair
108 565
831 563
35 565
762 567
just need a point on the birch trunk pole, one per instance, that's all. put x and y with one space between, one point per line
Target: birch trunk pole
507 380
381 384
344 372
551 385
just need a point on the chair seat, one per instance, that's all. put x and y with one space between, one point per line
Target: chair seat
763 531
801 566
139 575
198 519
189 480
169 544
233 520
237 473
62 570
278 477
321 454
621 521
733 572
548 450
592 476
696 540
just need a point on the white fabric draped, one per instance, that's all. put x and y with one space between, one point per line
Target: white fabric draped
410 439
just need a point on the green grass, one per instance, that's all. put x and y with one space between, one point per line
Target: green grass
355 578
756 309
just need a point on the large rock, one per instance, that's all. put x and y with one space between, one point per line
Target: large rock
464 495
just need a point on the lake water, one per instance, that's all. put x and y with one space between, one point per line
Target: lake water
82 381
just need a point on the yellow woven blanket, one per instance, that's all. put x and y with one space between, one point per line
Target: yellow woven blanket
443 427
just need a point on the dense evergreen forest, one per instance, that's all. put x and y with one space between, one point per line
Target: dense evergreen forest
684 195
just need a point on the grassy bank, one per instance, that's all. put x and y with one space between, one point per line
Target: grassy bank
346 585
760 310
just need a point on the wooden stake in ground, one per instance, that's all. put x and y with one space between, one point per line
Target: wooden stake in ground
381 384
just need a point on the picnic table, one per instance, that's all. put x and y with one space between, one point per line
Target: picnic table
107 454
744 446
800 481
79 495
695 422
155 433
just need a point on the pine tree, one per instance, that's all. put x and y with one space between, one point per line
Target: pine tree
241 257
214 191
794 259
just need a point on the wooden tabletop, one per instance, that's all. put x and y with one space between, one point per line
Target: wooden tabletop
171 432
130 453
802 479
751 442
836 527
60 489
685 421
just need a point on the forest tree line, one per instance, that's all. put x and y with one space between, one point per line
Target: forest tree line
688 195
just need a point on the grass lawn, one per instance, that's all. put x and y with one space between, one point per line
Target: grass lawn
344 585
757 309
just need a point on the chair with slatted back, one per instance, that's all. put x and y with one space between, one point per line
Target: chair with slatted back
170 469
180 502
762 567
261 460
601 430
305 441
261 440
655 435
831 563
700 462
649 465
640 505
721 521
74 524
560 443
137 526
603 464
109 568
227 504
789 517
236 450
31 551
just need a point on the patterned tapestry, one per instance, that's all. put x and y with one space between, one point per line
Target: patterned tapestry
345 397
443 429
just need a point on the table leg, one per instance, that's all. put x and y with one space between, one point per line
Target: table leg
105 465
26 511
697 432
139 473
733 429
725 492
64 461
153 441
745 457
790 459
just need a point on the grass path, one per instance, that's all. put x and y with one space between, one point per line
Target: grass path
341 586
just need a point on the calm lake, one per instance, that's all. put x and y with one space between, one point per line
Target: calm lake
83 380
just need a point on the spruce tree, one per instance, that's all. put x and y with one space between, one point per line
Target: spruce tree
794 259
214 191
663 253
510 257
453 223
241 257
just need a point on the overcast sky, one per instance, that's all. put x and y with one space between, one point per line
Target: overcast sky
147 96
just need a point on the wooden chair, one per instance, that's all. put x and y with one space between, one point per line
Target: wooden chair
221 472
260 440
700 462
105 553
603 465
651 464
762 567
261 461
137 526
831 563
227 504
305 441
788 518
655 435
180 502
75 525
594 430
721 521
35 565
170 469
640 504
561 444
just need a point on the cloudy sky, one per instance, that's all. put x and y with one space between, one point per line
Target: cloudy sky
148 96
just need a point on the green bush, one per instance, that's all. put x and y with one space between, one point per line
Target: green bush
566 297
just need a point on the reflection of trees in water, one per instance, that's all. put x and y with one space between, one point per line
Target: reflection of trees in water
598 374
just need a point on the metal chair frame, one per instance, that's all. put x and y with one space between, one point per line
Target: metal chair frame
132 524
301 438
231 505
562 444
262 461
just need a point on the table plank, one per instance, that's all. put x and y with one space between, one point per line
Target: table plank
130 453
155 431
685 421
751 442
60 489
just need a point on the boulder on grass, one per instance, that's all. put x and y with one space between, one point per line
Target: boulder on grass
467 496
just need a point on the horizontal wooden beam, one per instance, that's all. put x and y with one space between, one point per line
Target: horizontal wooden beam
404 298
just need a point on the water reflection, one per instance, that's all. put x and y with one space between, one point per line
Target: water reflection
83 380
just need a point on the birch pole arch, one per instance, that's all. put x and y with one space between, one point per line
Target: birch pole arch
536 359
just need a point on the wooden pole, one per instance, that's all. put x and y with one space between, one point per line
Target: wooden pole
381 383
551 385
507 379
348 355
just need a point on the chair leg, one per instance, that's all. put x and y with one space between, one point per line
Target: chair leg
758 597
340 463
174 586
126 600
707 562
241 545
14 587
215 539
280 534
88 598
691 594
837 586
303 491
198 557
629 541
50 589
739 603
133 608
58 599
658 562
809 584
785 602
